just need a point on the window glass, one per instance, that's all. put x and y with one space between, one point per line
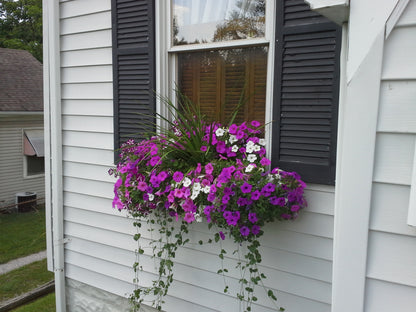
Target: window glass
201 21
220 80
35 165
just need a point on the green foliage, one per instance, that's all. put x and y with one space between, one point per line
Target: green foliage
196 170
24 279
21 26
164 248
44 304
21 234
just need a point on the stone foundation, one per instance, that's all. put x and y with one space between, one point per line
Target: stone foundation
81 297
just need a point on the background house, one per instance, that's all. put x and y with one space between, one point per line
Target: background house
21 125
353 248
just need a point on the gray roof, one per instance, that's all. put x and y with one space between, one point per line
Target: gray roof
21 81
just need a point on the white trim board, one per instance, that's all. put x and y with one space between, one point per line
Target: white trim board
353 195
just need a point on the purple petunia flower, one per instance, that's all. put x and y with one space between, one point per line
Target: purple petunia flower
240 134
255 229
189 217
242 201
203 148
154 181
269 188
225 199
295 208
252 217
246 188
255 123
228 191
245 231
227 214
141 186
178 193
162 176
221 148
154 161
265 161
255 195
209 168
222 235
178 176
233 129
211 197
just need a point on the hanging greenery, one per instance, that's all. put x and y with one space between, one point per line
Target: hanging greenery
198 171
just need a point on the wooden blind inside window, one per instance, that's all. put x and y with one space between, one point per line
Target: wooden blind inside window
218 81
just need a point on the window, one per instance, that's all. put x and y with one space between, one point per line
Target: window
281 56
223 65
33 151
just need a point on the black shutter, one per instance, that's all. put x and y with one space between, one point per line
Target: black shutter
133 68
306 91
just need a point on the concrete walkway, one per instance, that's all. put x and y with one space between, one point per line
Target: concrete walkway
17 263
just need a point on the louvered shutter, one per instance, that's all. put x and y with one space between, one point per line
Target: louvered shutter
306 91
133 68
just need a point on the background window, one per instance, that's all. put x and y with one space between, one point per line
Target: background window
33 150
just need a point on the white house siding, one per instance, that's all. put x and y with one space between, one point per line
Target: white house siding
391 269
100 252
12 179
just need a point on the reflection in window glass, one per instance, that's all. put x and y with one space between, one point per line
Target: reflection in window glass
218 81
201 21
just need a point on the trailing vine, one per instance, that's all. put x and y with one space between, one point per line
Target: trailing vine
199 171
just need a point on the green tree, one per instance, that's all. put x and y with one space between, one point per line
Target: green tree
21 25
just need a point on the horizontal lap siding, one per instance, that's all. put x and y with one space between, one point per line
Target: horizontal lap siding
12 178
391 278
297 256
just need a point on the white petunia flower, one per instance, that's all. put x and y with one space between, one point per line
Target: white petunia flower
219 132
198 217
249 168
250 143
257 148
262 142
249 149
196 187
206 189
251 158
234 148
232 139
151 196
194 195
187 182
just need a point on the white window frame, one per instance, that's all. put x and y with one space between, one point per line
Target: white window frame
166 58
25 165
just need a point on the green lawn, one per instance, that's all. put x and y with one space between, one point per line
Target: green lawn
24 279
22 234
44 304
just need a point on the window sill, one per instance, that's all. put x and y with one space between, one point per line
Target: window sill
28 177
